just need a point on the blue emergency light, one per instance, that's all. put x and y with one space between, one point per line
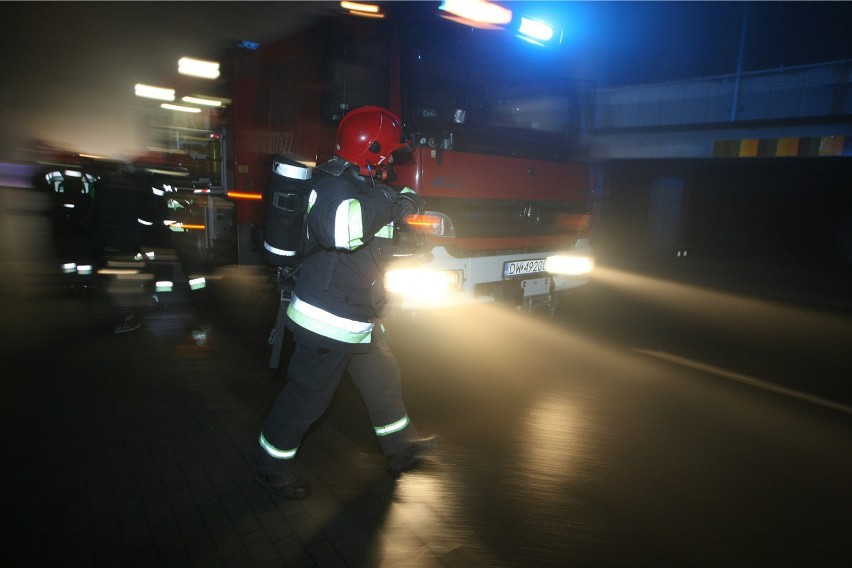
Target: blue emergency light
250 45
535 31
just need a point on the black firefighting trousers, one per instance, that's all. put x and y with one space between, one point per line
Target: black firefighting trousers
312 378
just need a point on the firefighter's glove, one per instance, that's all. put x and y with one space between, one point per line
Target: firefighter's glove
407 203
388 192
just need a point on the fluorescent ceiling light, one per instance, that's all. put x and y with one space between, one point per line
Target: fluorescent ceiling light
150 92
200 101
180 108
198 68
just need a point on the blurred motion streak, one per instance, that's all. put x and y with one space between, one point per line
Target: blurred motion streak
152 92
200 101
245 195
25 258
180 108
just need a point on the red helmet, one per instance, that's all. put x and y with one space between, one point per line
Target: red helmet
368 135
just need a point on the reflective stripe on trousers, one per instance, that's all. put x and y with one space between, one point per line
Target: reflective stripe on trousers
392 428
275 452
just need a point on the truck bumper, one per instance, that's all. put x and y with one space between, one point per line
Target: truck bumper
520 279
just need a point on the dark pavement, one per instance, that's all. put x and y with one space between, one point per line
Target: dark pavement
137 450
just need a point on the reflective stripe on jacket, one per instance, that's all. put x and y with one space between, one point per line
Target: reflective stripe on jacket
325 323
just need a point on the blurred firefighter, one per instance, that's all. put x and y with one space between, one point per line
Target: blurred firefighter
171 258
338 301
71 188
136 228
122 206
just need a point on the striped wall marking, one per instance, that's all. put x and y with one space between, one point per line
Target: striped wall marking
787 147
831 146
748 147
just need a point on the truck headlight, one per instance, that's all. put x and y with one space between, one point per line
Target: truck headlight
569 264
421 282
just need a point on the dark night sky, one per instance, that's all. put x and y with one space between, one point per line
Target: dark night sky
68 69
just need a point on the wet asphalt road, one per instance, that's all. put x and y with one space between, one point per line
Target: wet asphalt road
574 442
565 448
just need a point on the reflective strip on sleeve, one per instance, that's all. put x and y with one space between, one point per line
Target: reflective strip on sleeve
275 452
327 324
392 428
348 225
385 232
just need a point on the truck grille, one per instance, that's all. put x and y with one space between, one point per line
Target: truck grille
491 218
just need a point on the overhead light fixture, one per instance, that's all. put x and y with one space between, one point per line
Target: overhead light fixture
477 11
360 9
180 108
198 68
151 92
200 101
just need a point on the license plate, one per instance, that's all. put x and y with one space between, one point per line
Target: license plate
523 267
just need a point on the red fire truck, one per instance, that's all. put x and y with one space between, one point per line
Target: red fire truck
497 125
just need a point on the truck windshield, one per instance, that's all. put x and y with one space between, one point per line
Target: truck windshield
487 91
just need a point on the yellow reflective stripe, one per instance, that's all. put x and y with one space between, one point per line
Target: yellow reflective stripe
348 225
275 452
327 324
356 224
392 428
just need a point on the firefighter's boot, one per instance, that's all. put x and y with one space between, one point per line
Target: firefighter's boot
287 485
413 455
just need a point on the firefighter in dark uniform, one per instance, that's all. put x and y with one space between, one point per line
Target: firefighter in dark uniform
337 302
